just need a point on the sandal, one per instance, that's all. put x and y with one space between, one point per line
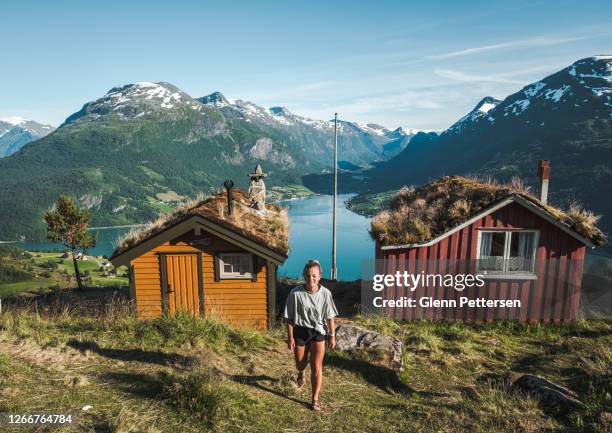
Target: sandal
315 406
300 379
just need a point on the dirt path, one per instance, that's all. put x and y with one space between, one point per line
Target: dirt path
60 359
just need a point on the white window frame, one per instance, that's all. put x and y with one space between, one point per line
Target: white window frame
234 275
505 273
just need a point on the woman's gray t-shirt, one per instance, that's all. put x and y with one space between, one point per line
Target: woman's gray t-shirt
310 310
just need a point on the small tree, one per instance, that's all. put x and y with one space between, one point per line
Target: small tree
67 223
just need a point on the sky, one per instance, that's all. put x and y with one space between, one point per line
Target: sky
404 63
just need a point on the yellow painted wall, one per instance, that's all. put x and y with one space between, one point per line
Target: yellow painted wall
239 302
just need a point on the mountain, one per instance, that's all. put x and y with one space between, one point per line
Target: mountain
359 143
565 118
132 152
15 132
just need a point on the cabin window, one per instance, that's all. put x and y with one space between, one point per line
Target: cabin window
235 265
507 252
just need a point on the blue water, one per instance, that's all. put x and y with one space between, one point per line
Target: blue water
310 236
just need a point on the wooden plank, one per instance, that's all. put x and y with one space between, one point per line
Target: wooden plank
251 303
148 296
402 291
238 297
259 309
171 298
441 256
147 258
150 282
188 279
195 285
392 312
412 254
561 290
238 315
420 291
178 248
542 257
145 297
148 288
512 294
432 255
235 283
553 277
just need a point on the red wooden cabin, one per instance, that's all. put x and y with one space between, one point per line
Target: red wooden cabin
523 249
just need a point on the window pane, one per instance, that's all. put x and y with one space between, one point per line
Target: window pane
521 251
492 251
236 264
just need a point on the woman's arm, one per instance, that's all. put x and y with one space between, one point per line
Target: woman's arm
290 340
331 326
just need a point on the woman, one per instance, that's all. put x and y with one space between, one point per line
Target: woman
309 313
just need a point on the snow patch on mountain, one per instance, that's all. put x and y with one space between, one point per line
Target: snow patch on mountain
145 90
373 128
556 94
137 100
13 120
481 111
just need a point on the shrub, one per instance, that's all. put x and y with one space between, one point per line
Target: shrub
204 394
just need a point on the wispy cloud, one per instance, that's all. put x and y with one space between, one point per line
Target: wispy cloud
465 77
523 43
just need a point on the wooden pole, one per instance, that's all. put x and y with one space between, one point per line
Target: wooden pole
333 265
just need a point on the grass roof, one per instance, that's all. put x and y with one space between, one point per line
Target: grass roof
418 215
269 228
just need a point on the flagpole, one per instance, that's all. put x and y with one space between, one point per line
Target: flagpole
333 266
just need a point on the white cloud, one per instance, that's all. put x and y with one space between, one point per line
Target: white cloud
529 42
464 77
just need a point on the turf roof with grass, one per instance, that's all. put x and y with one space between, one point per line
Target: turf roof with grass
269 228
418 215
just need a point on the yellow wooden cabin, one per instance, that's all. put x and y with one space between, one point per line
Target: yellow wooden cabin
208 261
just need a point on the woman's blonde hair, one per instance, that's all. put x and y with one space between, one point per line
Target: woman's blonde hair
311 264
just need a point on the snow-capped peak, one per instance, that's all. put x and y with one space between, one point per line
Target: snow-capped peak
372 128
216 99
14 120
133 101
401 132
481 109
167 93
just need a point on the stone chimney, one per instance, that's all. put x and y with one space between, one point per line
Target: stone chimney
257 189
544 175
229 184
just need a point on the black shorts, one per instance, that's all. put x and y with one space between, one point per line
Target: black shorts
303 335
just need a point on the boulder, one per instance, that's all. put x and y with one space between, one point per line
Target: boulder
350 337
551 395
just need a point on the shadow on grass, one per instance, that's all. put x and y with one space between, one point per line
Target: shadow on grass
254 381
382 377
159 358
141 384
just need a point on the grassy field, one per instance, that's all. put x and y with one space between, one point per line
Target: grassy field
48 269
370 204
185 374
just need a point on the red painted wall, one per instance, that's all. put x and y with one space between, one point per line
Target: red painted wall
553 297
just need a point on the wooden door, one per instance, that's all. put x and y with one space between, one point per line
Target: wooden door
183 283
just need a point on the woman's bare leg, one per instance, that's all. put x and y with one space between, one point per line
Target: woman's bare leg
301 359
317 351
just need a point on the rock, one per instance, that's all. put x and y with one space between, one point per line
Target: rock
349 337
551 395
